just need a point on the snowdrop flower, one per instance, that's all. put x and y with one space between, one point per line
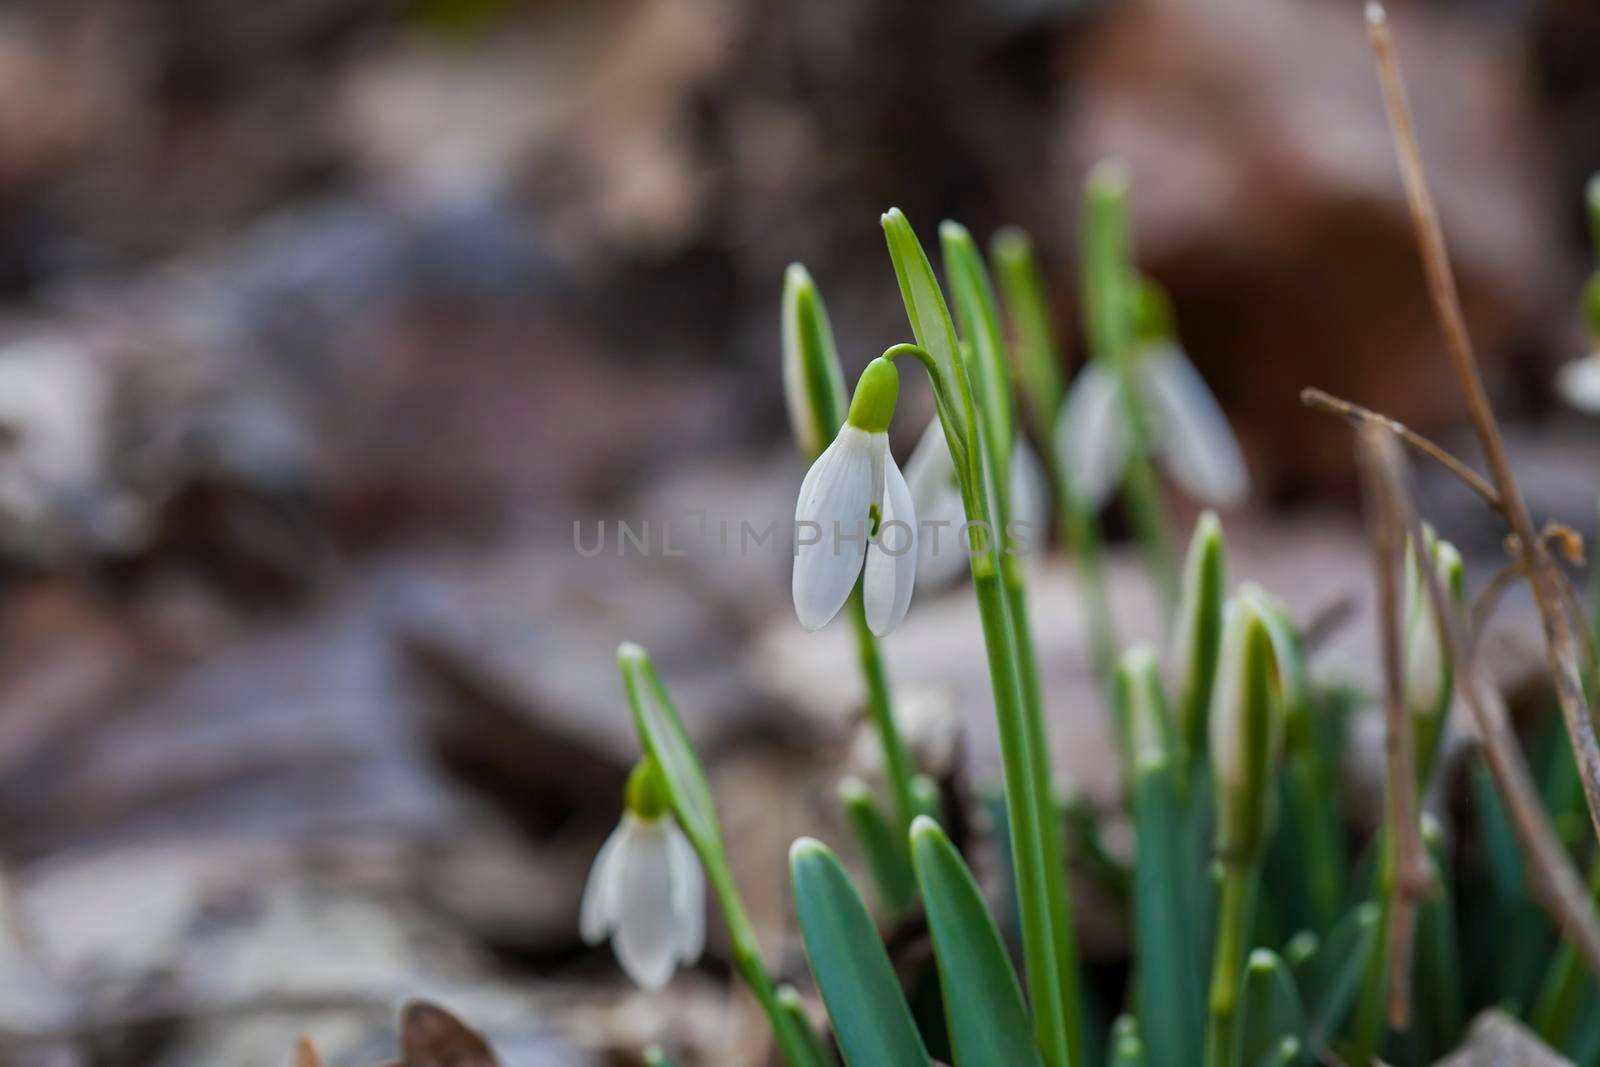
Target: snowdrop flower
1579 383
646 891
1429 677
936 495
1190 435
854 509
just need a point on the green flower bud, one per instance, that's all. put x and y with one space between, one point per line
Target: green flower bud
645 795
1197 636
813 385
1244 731
872 408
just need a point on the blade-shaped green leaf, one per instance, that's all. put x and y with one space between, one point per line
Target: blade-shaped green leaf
1022 289
1269 1008
812 380
871 1021
988 1024
794 1007
886 856
1197 637
1338 966
978 317
935 331
665 739
1170 985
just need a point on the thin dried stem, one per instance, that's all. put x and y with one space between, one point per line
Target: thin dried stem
1543 576
1556 882
1411 876
1358 415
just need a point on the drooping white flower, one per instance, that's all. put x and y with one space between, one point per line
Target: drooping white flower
1579 383
647 893
855 518
1189 434
931 475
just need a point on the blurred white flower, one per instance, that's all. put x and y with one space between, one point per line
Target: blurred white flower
1189 434
1579 383
854 507
936 495
647 893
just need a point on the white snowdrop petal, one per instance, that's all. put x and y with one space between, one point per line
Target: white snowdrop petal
1030 497
831 522
599 895
1192 438
646 938
688 898
1579 383
1091 435
930 475
1424 670
892 558
1227 703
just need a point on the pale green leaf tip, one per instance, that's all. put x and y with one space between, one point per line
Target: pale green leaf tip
631 655
1010 242
807 848
924 828
893 217
853 790
1109 178
1376 15
789 996
1289 1047
796 275
1262 961
951 230
1594 191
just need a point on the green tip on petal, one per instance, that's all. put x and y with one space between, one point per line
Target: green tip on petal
872 408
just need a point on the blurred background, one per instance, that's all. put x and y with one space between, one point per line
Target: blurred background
330 328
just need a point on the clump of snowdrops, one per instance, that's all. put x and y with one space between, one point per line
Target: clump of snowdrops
1264 930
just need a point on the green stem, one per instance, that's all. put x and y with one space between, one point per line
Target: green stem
1142 495
1227 967
896 760
1028 837
1049 816
793 1043
1083 543
1107 282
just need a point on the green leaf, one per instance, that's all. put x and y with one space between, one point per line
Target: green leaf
656 1056
871 1021
794 1006
1022 289
1337 969
1269 1008
813 383
979 320
1170 982
885 853
935 332
667 742
1437 970
989 1027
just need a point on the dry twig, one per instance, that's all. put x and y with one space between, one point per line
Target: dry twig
1555 881
1412 876
1543 576
1360 416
